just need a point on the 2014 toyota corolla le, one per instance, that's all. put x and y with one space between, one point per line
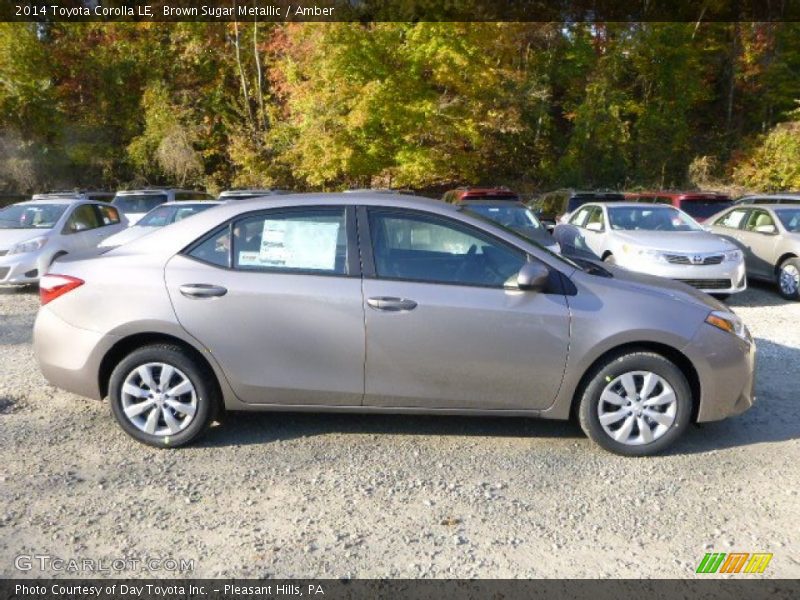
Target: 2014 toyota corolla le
380 303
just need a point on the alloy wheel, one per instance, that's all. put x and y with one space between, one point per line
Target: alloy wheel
637 408
159 399
789 280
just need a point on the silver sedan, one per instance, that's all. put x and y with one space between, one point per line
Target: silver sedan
769 235
34 234
658 240
383 304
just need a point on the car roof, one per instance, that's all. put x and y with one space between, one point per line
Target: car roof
789 195
249 191
774 206
696 195
189 202
627 205
62 200
490 202
159 191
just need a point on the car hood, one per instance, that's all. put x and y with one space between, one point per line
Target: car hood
676 241
536 234
641 282
126 235
9 237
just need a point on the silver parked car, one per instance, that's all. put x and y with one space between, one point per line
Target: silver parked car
34 234
135 204
658 240
769 235
160 216
383 304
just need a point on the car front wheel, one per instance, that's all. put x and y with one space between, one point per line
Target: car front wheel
160 396
636 404
789 279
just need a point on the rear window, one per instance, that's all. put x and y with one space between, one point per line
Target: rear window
702 209
577 201
138 203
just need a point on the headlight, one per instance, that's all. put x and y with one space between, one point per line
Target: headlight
28 245
647 253
734 256
730 322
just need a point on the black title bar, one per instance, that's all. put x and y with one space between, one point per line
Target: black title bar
399 10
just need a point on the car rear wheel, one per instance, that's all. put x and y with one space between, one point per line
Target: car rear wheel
160 396
636 404
789 279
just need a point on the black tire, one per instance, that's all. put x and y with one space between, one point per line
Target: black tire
207 396
721 297
789 262
619 365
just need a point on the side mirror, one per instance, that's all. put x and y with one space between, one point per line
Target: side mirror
532 277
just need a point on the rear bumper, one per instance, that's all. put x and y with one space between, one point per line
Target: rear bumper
69 357
725 366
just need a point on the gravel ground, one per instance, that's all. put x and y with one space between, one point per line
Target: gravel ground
296 495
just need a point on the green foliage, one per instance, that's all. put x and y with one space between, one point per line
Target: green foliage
421 105
773 163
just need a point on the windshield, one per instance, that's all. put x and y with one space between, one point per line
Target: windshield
650 218
790 217
164 215
702 209
31 216
138 203
508 216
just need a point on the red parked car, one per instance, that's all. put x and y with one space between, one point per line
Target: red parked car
479 193
698 205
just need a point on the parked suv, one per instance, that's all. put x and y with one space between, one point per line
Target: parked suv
479 193
553 207
79 194
246 194
380 304
135 204
698 205
786 198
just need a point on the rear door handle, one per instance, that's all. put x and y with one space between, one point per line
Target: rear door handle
202 290
391 304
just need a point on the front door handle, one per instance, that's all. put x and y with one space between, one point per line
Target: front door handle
202 290
391 304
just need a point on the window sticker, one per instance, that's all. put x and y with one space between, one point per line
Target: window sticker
295 245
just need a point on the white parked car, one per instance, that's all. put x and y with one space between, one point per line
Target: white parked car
34 234
657 240
135 204
160 216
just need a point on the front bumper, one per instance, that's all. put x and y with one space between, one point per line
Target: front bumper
21 269
725 367
724 278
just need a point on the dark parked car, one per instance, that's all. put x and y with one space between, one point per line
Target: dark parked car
553 207
698 205
514 215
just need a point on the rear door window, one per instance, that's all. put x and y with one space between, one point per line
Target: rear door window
312 240
83 218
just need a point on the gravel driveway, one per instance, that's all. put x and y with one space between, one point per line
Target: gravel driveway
294 495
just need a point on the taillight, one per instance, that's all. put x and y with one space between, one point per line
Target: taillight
52 286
